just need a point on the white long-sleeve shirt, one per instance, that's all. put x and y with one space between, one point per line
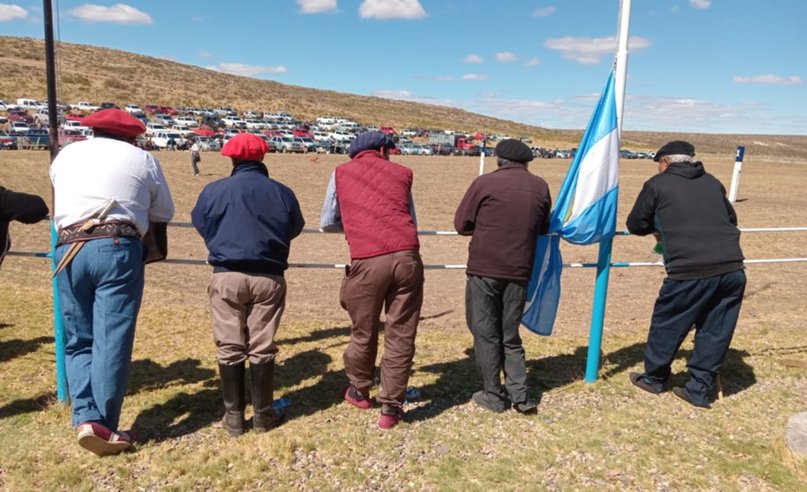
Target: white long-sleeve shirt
87 174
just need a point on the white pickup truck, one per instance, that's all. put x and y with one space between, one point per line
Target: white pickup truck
85 106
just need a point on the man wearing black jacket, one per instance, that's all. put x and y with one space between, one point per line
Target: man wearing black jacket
22 207
686 209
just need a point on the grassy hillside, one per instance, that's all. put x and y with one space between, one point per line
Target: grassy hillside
102 74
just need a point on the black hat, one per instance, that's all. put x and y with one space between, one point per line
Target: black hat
370 140
675 147
514 150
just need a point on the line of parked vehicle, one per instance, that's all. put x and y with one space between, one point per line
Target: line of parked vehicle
210 128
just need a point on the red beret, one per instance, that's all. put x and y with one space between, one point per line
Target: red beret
245 147
116 122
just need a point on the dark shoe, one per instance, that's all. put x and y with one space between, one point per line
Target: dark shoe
96 438
683 394
485 401
526 407
232 389
390 417
357 399
265 417
639 381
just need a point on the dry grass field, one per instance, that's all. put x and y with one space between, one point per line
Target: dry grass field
607 435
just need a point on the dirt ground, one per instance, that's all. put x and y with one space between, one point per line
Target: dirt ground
771 195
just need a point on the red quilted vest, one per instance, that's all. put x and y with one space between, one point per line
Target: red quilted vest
373 195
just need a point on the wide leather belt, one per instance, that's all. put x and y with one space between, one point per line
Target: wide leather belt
74 233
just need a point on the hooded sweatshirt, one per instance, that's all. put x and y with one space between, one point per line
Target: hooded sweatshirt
688 208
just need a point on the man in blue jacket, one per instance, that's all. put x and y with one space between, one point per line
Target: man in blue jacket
247 221
686 209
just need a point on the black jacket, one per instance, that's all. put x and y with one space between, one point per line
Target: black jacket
23 207
698 227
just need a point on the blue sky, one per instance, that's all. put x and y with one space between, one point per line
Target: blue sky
716 66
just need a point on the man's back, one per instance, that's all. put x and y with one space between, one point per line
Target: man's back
504 211
697 224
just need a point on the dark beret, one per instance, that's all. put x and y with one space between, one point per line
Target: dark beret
676 147
514 150
116 122
370 140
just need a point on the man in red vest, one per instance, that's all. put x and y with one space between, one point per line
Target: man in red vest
370 198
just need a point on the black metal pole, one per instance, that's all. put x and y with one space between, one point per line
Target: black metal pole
50 67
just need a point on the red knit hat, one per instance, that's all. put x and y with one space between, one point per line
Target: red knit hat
245 147
116 122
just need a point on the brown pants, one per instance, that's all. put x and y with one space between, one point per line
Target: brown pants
393 281
246 311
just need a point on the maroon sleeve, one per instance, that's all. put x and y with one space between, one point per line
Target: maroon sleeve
465 217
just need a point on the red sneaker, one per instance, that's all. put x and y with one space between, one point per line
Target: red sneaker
358 400
96 438
387 421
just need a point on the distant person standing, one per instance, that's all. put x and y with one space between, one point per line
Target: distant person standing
371 199
247 221
687 210
195 158
22 207
100 289
503 212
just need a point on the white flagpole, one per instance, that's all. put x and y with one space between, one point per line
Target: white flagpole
604 257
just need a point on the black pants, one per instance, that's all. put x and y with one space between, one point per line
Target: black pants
493 310
712 306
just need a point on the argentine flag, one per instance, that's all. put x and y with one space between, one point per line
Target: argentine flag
584 213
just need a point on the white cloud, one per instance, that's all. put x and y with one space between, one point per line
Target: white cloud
700 4
474 76
316 6
443 78
473 59
768 79
402 95
246 70
9 12
505 56
543 12
532 62
391 9
589 51
204 54
119 13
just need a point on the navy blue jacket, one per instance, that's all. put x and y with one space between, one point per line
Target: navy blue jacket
248 221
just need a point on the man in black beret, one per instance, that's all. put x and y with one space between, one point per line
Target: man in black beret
686 209
503 212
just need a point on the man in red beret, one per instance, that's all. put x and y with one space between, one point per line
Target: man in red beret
247 221
101 287
371 199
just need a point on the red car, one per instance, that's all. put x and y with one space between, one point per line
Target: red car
20 115
302 132
75 117
388 130
204 131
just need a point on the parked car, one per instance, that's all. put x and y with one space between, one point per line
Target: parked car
133 109
206 143
153 128
7 142
186 121
285 144
628 154
19 115
161 140
36 138
108 105
70 135
18 127
85 106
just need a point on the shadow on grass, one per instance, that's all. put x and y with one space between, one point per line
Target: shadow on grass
147 375
5 325
183 414
12 349
324 334
735 373
27 405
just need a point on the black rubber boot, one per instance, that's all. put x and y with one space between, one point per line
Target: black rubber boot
232 388
262 390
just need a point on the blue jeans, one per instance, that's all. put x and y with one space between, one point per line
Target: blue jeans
100 293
